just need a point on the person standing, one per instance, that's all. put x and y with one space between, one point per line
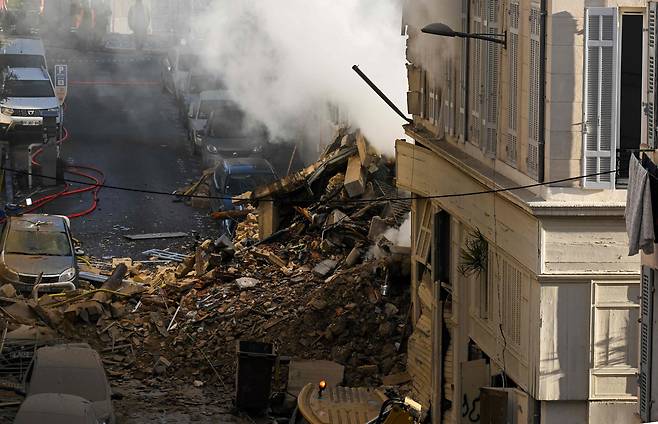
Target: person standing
138 21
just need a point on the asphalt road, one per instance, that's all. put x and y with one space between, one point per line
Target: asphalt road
121 122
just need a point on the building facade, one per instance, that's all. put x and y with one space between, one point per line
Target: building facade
526 300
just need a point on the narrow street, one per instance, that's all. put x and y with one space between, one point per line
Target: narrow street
122 123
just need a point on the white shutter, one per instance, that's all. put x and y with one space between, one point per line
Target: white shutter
476 86
535 89
646 336
513 83
449 99
650 107
492 79
600 102
463 86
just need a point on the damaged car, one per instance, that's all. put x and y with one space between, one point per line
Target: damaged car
230 132
233 177
56 408
74 369
37 245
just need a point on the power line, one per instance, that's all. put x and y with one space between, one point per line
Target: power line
192 196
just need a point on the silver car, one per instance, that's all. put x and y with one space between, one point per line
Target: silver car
32 244
27 97
56 408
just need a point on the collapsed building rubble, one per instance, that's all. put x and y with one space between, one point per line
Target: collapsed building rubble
309 269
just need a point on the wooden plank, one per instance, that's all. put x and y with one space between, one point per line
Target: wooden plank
149 236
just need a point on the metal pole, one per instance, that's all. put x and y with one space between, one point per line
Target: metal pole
30 149
381 94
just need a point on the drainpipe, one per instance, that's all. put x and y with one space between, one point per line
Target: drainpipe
542 94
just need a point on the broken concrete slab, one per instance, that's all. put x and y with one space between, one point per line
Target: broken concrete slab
325 267
247 282
378 226
8 290
353 257
355 180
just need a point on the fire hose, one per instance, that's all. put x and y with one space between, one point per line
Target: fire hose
78 170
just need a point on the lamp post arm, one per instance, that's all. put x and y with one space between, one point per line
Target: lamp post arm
490 38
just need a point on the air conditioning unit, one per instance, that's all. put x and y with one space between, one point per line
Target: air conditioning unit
507 406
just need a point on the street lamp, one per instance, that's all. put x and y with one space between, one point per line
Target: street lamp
445 31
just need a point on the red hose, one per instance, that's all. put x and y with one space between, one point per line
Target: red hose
94 189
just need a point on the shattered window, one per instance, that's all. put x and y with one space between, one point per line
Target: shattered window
15 88
238 184
46 243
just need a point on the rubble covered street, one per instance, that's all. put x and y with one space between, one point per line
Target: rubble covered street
328 284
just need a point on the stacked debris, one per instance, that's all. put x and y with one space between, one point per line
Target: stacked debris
308 282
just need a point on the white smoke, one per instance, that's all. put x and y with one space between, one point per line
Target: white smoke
284 61
400 236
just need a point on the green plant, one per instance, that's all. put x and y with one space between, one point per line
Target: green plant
474 255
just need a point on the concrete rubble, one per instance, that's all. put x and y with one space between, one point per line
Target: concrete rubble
307 284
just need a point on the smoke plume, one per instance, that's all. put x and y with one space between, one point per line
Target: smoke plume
285 62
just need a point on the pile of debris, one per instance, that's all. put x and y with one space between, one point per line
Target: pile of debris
311 270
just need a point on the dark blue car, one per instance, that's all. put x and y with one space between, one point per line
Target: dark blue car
233 177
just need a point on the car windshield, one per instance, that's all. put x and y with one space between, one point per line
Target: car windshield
47 243
187 62
199 83
15 88
88 383
207 107
22 61
233 123
238 184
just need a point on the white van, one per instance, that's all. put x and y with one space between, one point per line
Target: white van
28 96
22 53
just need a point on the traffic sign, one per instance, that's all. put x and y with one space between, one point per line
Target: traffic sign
61 82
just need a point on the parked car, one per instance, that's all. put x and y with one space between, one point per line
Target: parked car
27 96
192 87
35 243
230 132
198 113
233 177
73 369
56 408
22 53
176 66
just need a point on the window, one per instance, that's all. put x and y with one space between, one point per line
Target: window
600 102
646 344
513 83
485 66
463 79
16 88
535 92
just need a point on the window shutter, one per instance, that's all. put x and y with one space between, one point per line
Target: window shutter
646 332
448 95
650 108
492 79
600 103
513 83
534 118
477 93
463 85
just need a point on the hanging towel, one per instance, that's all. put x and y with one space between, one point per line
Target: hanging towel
652 170
639 213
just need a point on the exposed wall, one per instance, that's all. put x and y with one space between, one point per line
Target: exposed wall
564 412
586 245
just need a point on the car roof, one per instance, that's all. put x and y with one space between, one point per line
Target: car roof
214 95
31 46
29 222
75 355
29 74
247 165
56 403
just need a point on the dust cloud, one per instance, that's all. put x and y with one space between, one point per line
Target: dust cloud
289 63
